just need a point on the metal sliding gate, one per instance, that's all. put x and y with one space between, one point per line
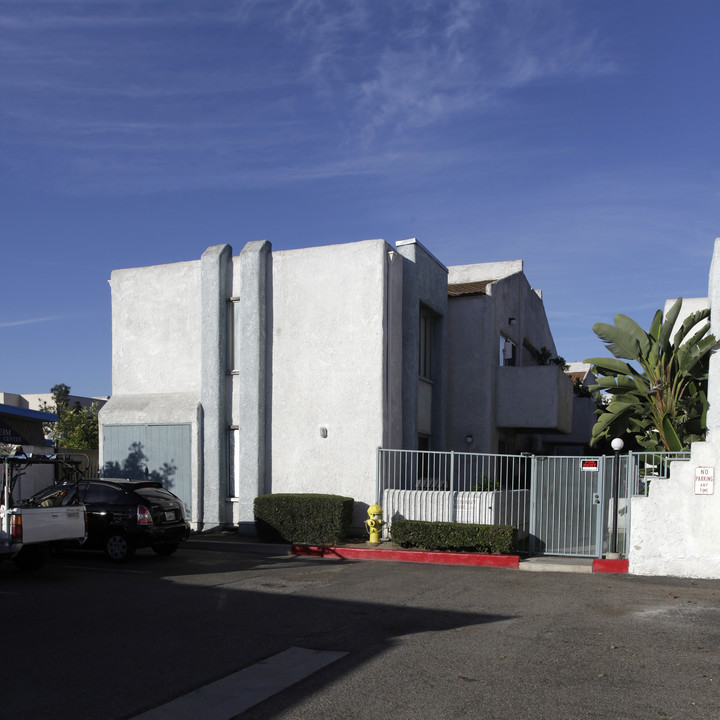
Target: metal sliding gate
560 505
567 506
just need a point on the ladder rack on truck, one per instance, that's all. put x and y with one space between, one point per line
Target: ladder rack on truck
27 530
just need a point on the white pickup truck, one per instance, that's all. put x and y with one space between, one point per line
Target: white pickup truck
27 530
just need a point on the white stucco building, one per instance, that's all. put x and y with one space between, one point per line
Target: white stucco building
283 371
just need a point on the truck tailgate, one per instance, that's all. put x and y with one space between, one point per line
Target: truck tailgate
51 524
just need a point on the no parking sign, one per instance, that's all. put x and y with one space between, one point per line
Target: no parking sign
704 480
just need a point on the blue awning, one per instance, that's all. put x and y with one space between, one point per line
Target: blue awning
27 414
20 426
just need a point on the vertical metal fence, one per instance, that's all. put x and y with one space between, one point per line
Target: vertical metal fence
455 487
560 505
643 468
637 472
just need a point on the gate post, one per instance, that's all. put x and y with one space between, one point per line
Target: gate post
453 504
533 503
378 460
602 510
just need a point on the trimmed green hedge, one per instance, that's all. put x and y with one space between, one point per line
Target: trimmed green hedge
458 537
308 519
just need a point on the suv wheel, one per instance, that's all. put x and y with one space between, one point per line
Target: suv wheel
118 548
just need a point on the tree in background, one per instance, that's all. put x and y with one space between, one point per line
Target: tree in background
77 426
662 403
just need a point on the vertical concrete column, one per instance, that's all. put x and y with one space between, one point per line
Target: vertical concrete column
252 365
214 281
439 406
410 343
425 280
393 326
713 415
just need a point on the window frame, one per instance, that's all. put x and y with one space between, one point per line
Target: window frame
426 334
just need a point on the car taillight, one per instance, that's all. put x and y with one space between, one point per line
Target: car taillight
16 527
144 516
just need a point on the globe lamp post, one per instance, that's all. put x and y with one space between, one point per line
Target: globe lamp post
617 445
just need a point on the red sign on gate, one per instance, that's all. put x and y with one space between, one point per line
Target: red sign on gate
589 464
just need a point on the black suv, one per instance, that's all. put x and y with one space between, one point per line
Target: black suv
123 514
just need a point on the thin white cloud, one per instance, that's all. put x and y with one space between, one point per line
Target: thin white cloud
470 55
30 321
310 87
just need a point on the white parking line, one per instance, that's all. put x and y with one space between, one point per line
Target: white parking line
236 693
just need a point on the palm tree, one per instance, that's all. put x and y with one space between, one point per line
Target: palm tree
663 403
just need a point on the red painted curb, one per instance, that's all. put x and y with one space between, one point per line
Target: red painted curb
420 556
610 566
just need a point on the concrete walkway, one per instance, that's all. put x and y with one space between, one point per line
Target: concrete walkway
557 564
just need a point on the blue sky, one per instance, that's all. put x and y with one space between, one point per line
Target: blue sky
581 136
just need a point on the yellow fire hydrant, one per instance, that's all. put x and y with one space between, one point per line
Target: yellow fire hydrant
374 523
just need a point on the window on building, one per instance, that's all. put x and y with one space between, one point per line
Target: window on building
233 335
426 343
508 351
233 464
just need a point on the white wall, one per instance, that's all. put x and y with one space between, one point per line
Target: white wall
328 351
689 306
156 329
478 272
674 531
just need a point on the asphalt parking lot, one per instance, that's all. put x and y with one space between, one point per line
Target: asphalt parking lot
85 639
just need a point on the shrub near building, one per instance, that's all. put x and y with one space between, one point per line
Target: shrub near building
308 519
458 537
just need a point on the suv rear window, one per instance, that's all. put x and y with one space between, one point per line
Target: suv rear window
155 493
105 494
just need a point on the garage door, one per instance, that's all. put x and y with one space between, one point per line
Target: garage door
157 452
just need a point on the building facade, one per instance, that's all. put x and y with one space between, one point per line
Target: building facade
283 371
